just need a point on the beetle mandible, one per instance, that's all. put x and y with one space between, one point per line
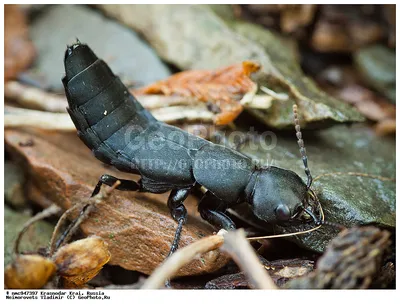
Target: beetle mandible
120 132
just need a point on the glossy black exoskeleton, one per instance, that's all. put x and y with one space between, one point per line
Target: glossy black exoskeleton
120 132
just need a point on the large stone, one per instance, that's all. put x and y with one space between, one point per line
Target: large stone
128 55
194 37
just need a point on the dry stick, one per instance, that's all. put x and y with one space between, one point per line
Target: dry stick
49 211
72 228
21 117
33 97
36 98
180 258
85 208
151 102
243 254
168 109
194 113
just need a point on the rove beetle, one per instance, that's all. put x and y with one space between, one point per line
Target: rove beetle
120 132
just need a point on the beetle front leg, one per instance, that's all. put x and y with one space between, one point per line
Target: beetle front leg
210 208
110 180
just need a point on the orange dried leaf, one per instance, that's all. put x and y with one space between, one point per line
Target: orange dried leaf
224 88
80 261
28 272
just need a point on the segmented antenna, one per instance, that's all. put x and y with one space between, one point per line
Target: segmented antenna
301 146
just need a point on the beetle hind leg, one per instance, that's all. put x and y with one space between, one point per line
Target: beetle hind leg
110 180
211 209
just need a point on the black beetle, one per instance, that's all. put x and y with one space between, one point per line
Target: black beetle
120 132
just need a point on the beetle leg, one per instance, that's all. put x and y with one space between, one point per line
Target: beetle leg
110 180
179 213
211 209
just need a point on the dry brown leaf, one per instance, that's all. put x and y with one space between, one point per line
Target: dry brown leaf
28 272
137 226
367 102
223 87
386 127
80 261
345 29
18 49
294 17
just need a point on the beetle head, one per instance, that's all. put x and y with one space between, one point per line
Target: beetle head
279 196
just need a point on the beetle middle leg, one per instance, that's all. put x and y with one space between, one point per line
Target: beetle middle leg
178 212
110 180
211 209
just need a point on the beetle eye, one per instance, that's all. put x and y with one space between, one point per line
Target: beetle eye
282 212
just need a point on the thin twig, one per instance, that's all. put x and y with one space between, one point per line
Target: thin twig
21 117
194 113
36 98
49 211
85 208
151 102
243 254
278 96
180 258
73 227
33 97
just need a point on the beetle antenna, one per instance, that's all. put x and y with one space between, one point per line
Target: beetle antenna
301 146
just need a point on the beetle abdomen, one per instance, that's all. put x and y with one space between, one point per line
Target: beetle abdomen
108 118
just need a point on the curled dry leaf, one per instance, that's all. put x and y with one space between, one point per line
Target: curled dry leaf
28 272
80 261
223 87
352 261
138 227
18 49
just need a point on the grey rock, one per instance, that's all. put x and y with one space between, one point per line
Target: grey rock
377 64
128 56
346 199
195 37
